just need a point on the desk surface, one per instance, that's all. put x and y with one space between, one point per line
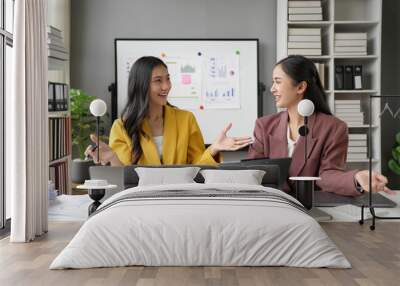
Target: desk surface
325 199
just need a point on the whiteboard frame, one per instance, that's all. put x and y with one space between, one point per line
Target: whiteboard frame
114 88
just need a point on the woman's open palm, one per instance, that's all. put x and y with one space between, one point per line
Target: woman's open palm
226 143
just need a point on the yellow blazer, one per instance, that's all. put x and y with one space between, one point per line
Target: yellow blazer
182 141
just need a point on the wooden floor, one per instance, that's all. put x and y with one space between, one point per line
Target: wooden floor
375 257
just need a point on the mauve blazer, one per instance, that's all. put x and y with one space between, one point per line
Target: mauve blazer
327 144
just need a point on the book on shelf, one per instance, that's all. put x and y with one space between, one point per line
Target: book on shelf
57 48
348 101
292 4
54 38
347 107
350 43
357 143
55 43
305 17
59 134
304 38
357 115
304 32
354 136
351 117
304 45
57 55
357 156
360 49
58 174
305 10
357 149
351 54
347 104
350 36
305 52
54 31
340 110
352 123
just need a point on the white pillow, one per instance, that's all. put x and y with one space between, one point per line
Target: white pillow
166 176
249 177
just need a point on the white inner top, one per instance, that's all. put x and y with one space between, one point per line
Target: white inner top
291 143
158 140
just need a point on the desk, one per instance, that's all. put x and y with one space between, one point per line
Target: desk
343 211
325 199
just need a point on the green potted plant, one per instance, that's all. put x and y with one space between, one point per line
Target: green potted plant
83 124
394 163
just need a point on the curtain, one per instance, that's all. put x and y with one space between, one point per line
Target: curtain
27 123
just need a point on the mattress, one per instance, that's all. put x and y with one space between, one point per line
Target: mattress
200 225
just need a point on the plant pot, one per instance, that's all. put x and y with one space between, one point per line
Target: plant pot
80 170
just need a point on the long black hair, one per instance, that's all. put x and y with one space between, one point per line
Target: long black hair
300 69
137 107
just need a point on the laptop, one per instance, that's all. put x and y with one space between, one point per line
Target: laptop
283 163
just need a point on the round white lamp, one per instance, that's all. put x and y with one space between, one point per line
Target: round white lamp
98 108
305 107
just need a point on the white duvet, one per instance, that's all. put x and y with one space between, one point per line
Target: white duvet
183 231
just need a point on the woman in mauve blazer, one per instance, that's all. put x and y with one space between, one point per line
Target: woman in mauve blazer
276 136
152 132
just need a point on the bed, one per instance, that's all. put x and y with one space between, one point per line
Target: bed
200 224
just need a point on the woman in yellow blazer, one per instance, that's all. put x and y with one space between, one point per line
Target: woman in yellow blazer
152 132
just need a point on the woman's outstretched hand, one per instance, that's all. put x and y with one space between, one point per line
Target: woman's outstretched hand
225 143
379 182
107 155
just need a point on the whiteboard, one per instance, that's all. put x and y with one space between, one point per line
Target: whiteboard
215 79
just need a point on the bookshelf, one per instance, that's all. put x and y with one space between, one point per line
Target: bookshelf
59 118
342 17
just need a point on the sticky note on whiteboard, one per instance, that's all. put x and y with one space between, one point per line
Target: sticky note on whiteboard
186 79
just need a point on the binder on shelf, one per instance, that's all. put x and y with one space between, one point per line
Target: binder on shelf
65 97
358 77
339 77
58 96
51 99
348 77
